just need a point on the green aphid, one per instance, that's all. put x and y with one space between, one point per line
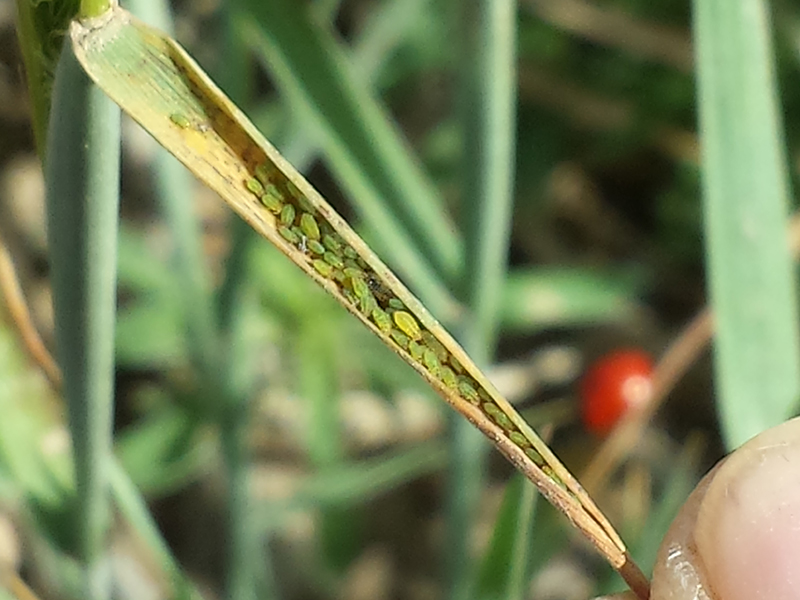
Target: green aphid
367 303
316 247
351 274
504 422
306 205
519 439
322 267
180 120
350 252
407 324
401 338
484 395
457 367
449 378
467 391
548 470
333 260
351 264
491 409
360 287
396 304
293 190
351 298
535 457
254 185
382 320
415 349
289 235
332 243
262 173
436 346
303 244
309 226
430 361
288 214
340 277
271 199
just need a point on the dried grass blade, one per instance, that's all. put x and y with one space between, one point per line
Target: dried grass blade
161 87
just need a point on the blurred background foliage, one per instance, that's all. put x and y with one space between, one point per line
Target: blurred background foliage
345 444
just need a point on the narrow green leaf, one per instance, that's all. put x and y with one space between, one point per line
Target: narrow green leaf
505 569
535 299
745 186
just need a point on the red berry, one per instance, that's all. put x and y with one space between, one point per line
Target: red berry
613 385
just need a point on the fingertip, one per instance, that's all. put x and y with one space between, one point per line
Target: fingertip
738 535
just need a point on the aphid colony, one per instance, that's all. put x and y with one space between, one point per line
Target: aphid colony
299 223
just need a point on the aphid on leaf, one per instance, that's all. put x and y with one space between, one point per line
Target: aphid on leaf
316 247
254 185
180 120
467 390
262 173
332 243
430 360
289 235
407 324
382 294
309 226
322 267
401 338
382 320
287 214
449 378
333 260
271 199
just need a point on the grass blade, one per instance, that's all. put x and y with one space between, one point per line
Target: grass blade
505 567
161 87
745 192
82 178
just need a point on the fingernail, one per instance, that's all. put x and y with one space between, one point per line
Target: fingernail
747 532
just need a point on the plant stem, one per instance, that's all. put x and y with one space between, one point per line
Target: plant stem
82 175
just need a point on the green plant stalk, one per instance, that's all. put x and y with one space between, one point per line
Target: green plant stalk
488 117
82 179
242 549
745 186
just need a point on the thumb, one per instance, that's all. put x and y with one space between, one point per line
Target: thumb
737 537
